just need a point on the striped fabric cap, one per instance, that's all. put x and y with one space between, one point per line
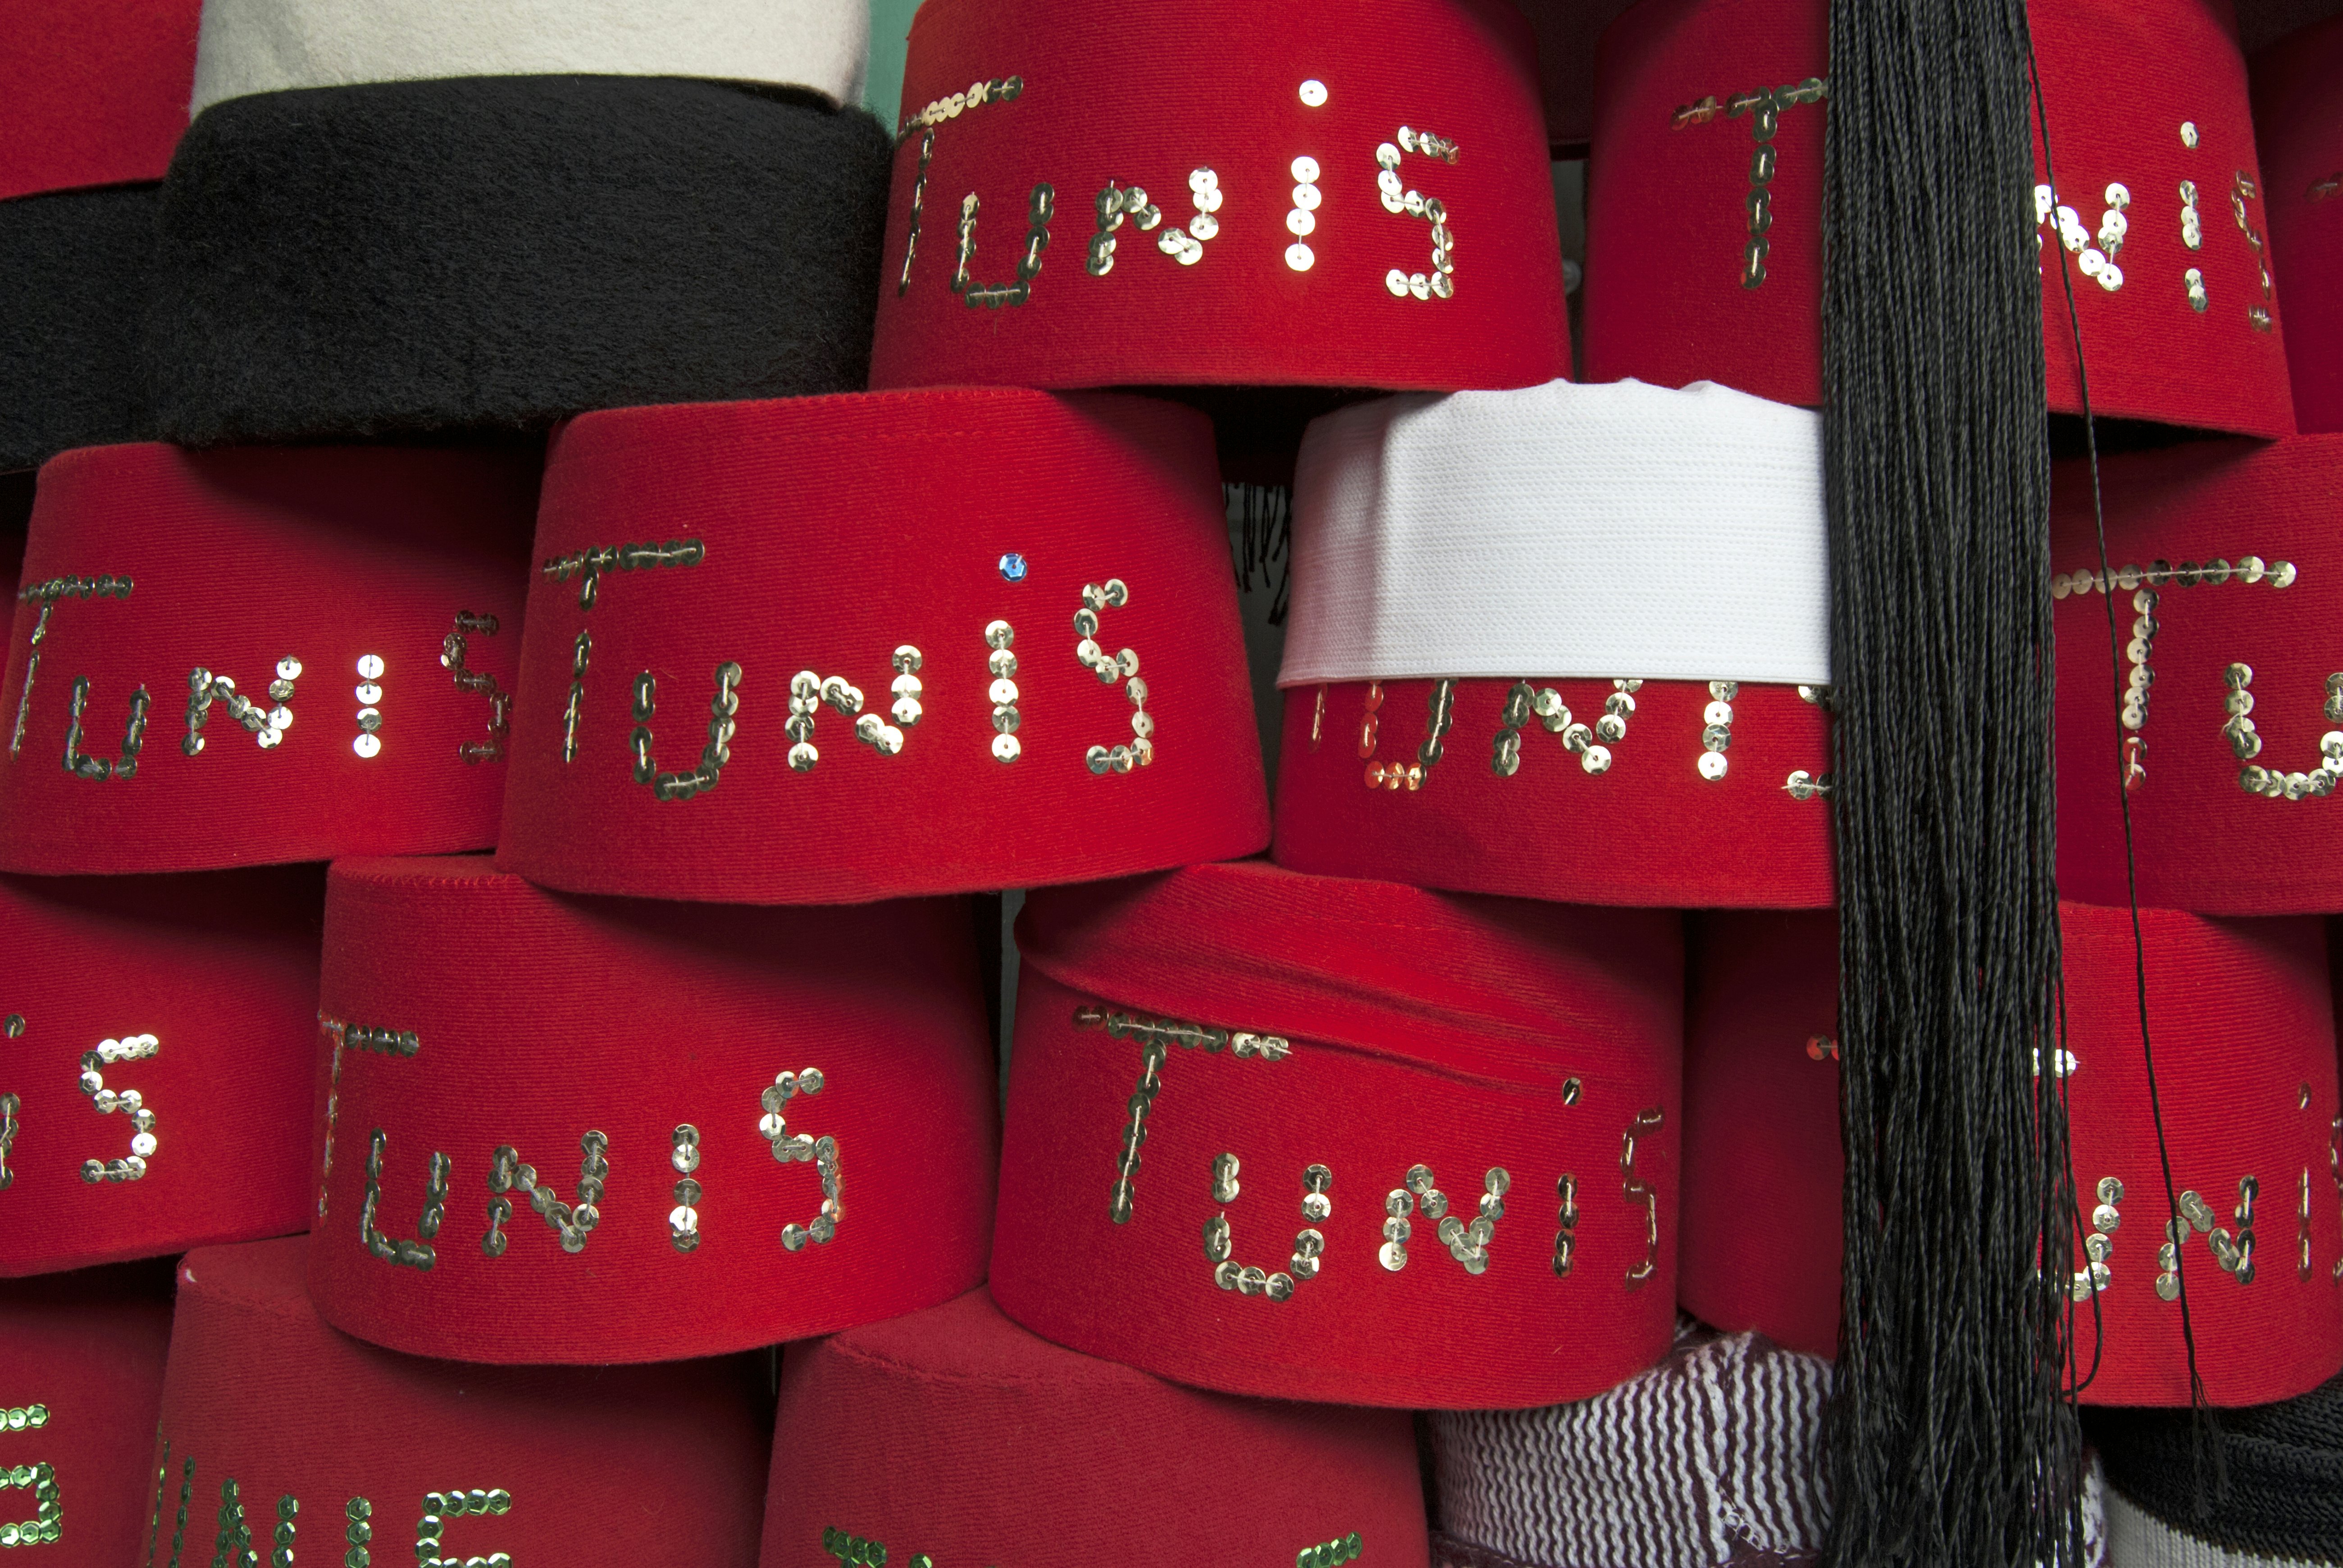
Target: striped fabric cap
1713 1457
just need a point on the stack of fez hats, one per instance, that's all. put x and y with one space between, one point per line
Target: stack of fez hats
569 564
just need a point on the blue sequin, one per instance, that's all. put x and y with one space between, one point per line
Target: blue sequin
1012 567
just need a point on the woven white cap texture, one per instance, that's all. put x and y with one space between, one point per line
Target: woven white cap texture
2138 1539
1563 530
270 45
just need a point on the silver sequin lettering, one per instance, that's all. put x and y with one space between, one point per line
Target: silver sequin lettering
797 1147
47 595
1639 1191
714 755
1309 1243
1467 1240
37 1476
1439 282
810 692
1590 744
996 91
439 1508
1118 759
453 651
398 1250
266 725
573 1223
127 1101
1765 108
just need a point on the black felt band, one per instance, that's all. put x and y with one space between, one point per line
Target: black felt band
2281 1493
499 251
75 269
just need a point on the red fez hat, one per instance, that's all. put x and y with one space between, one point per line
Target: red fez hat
873 1419
906 632
1263 194
2223 713
1636 576
625 1072
81 1374
153 1063
281 1436
323 637
1716 107
93 92
1395 1118
2251 1132
2298 121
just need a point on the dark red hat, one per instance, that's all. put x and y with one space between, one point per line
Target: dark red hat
2243 1034
155 1062
281 1436
906 632
93 92
1562 642
1705 195
634 1073
1263 194
81 1374
1567 31
2222 708
1343 1048
2298 121
322 637
916 1442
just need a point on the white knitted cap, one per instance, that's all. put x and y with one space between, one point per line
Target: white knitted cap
270 45
1561 531
2138 1539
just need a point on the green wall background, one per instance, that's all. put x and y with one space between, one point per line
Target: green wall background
883 91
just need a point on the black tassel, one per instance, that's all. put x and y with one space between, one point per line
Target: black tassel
1264 546
1950 1439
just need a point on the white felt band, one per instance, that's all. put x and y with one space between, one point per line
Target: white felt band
270 46
1580 532
2138 1539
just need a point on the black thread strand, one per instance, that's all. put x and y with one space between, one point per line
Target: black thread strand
2210 1468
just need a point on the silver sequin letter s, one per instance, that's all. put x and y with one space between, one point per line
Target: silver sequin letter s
1110 668
127 1101
792 1147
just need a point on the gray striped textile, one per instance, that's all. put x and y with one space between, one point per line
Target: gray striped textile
1713 1457
2138 1539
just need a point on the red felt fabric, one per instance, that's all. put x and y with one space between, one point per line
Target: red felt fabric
603 1465
237 559
1762 1166
81 1355
926 1436
1425 1028
1651 830
2243 1026
539 1018
1140 93
2298 121
836 530
93 92
1668 211
222 970
2202 841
